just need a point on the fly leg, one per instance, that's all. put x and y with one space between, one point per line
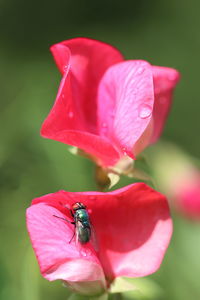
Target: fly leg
64 219
65 206
72 214
68 222
72 237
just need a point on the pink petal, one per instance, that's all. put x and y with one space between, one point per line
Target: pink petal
59 259
89 61
132 227
144 140
165 80
125 103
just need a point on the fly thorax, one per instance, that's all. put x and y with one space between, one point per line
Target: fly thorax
82 215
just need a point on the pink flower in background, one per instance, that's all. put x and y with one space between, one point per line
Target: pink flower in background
105 105
132 229
177 176
186 195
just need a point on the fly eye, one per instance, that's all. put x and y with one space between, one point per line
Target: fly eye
75 206
78 205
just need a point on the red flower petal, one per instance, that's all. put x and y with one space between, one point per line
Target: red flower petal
133 230
132 227
72 119
165 80
66 124
89 59
125 103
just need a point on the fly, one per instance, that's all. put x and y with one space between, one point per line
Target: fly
81 222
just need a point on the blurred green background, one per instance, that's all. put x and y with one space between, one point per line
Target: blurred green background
162 32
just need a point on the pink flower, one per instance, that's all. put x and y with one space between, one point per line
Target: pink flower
132 229
185 193
105 105
187 196
177 176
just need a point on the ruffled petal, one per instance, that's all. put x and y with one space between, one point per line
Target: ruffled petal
133 229
65 123
125 103
89 59
165 80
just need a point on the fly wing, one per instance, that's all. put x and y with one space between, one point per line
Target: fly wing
83 232
93 239
78 225
85 235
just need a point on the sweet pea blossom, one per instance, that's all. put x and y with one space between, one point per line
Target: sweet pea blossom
107 106
131 228
178 177
187 196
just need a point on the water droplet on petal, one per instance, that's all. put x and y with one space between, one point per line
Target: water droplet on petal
145 111
92 197
104 127
70 114
124 150
140 70
63 96
83 252
65 68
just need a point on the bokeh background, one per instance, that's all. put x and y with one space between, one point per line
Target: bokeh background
162 32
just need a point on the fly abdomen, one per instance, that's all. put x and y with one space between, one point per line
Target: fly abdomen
83 232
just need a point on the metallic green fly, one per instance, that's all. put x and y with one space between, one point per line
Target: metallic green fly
81 221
